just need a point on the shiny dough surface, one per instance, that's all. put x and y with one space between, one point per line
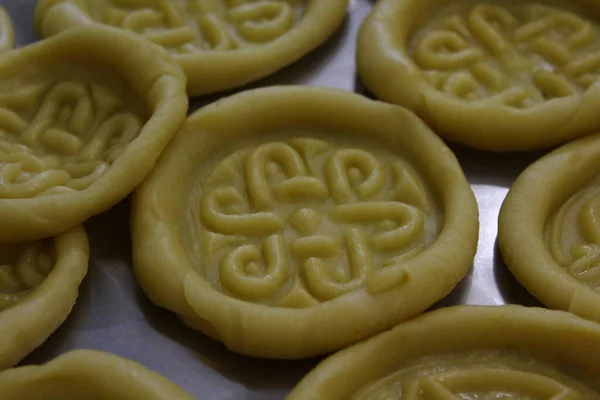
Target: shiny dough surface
292 221
39 283
553 205
221 44
88 374
517 58
459 353
65 126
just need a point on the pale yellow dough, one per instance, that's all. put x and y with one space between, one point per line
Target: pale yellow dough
7 35
39 284
89 375
292 221
220 44
83 118
469 353
497 76
549 228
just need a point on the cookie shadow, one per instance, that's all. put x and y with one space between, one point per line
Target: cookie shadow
458 295
252 373
509 287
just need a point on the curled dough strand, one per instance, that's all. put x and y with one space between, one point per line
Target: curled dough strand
63 94
256 171
241 275
262 21
215 33
589 220
338 173
487 22
445 50
324 285
24 175
113 135
253 224
408 222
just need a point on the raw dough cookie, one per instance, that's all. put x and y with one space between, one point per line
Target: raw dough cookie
549 228
90 375
292 221
39 283
221 44
83 118
508 352
7 36
495 75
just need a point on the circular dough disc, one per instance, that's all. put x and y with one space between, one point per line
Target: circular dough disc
549 228
220 44
77 136
466 353
90 375
292 221
39 284
498 76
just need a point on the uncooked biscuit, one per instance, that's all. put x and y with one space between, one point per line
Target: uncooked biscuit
220 44
39 282
83 118
288 222
549 228
508 352
90 375
497 76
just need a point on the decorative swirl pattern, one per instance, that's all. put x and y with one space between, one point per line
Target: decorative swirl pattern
297 222
574 236
22 269
479 383
518 55
74 136
188 26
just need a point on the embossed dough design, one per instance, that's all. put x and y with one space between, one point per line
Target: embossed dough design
291 221
39 283
79 134
220 44
90 375
465 352
549 228
492 75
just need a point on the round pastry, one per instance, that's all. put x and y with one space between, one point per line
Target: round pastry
78 135
549 228
497 76
220 44
508 352
292 221
39 283
91 375
7 36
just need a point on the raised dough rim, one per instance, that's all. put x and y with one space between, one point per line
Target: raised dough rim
26 325
349 369
92 365
386 69
215 72
160 261
540 190
162 83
